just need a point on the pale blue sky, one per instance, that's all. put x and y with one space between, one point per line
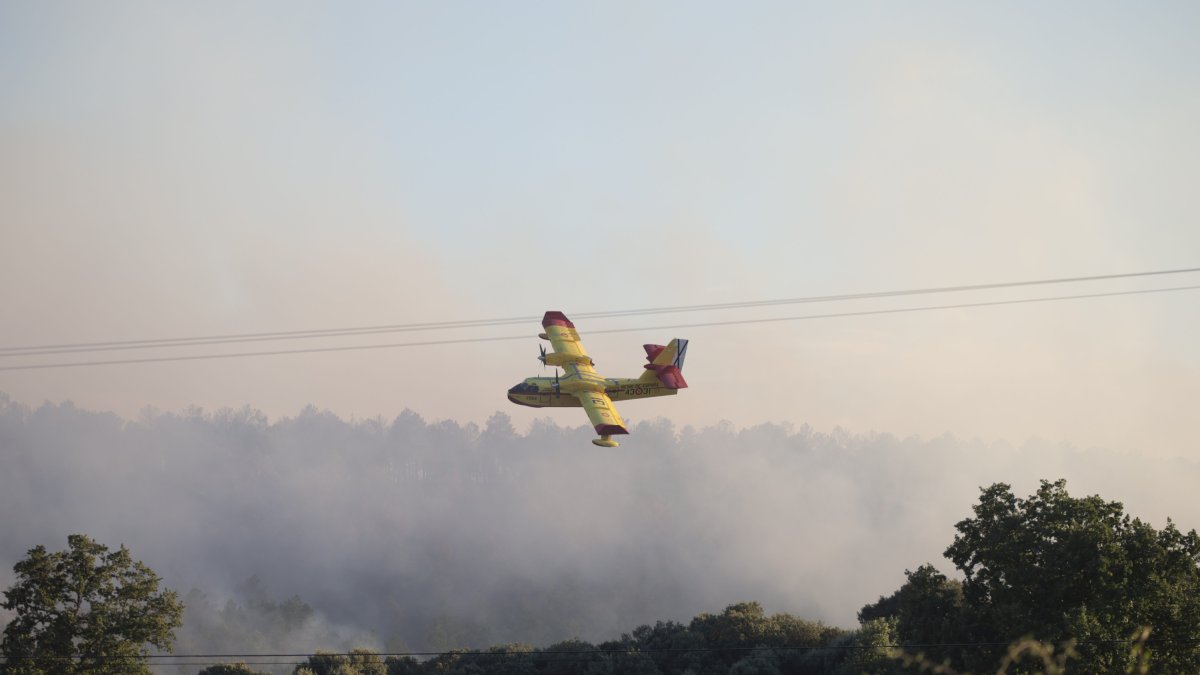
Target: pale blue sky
176 169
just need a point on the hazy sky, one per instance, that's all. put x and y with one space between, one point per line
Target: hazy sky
171 169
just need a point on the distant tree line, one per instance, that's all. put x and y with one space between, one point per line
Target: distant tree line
741 640
411 534
1076 575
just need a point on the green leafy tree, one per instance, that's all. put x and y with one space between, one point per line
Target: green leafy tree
513 659
741 625
357 662
231 669
745 626
929 610
674 648
569 657
86 610
402 665
866 650
757 662
1058 568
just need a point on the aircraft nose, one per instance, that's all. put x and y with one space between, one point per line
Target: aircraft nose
518 401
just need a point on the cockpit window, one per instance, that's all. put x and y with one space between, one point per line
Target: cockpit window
524 388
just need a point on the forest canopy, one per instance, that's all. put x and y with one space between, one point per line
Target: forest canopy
318 532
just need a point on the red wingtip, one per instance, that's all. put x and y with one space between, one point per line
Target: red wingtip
556 319
610 429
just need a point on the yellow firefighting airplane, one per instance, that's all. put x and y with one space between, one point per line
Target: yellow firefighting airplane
583 386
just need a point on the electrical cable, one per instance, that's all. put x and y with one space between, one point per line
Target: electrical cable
592 652
396 345
114 345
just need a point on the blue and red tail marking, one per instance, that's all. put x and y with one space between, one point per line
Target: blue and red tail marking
669 370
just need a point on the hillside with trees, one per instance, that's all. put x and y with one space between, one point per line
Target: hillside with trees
405 535
1074 574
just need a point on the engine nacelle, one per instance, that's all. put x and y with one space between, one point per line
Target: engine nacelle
561 359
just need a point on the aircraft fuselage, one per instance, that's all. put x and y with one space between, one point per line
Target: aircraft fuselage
541 392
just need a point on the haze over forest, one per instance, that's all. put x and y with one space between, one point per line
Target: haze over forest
427 534
172 171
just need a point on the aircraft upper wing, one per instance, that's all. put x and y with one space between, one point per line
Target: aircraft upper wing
602 413
569 352
563 336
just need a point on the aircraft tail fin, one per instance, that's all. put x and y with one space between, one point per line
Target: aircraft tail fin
666 363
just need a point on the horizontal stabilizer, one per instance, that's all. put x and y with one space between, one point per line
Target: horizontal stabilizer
652 351
671 377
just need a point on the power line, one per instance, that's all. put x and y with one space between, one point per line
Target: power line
232 338
591 652
396 345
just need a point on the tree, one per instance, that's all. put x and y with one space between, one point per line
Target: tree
402 665
758 662
231 669
1057 568
86 609
928 609
357 662
1060 567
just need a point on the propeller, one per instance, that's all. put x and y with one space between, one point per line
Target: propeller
556 381
542 356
